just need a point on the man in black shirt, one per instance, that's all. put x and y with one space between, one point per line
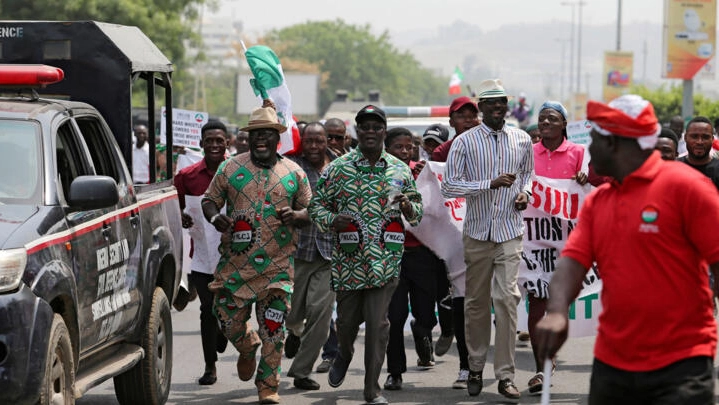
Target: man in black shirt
699 136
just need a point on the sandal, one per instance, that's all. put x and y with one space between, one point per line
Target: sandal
535 383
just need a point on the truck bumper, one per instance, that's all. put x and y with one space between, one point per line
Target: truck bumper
25 322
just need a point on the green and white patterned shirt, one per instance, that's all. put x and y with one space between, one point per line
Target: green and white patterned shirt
256 253
367 253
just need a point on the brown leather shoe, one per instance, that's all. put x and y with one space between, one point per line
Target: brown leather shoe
246 364
267 396
508 389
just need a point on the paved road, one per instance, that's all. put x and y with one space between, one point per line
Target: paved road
571 381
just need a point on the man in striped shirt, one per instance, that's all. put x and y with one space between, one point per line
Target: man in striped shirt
491 166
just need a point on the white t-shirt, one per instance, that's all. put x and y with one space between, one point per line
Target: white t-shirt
141 164
682 147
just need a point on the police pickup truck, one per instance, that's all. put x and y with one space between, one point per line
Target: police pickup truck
89 261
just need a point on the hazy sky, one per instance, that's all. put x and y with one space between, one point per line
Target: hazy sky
403 15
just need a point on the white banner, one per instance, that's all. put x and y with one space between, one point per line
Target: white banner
578 132
441 225
205 238
548 220
550 217
186 127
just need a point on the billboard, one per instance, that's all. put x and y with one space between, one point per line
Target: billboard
577 106
618 72
304 88
689 37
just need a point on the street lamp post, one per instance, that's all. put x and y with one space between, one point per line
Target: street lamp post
619 25
580 4
571 49
576 88
561 70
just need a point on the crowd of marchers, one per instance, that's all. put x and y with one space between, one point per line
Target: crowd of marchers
328 229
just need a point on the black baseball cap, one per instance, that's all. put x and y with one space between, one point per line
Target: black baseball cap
438 132
370 111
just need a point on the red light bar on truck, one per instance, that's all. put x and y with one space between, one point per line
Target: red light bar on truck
29 75
417 111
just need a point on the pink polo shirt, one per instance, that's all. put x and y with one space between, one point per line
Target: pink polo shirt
563 163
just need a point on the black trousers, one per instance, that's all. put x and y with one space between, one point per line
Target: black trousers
417 287
444 307
688 381
209 325
458 318
330 349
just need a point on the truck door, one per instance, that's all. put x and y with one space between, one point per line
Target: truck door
119 277
91 234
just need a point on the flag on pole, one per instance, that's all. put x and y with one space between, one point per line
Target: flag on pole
455 83
269 83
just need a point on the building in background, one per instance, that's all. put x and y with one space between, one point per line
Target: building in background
218 35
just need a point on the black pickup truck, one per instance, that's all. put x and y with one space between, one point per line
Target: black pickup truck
89 261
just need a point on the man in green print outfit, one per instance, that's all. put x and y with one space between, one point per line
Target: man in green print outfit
266 197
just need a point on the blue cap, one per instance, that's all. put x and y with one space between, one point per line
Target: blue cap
556 106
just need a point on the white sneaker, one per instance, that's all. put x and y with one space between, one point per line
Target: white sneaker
461 383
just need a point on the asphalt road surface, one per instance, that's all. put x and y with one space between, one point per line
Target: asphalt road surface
434 386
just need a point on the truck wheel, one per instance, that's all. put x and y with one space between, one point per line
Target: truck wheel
148 382
59 379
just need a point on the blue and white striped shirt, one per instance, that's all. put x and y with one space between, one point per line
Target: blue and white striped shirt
476 158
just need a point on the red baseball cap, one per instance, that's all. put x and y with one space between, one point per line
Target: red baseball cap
460 102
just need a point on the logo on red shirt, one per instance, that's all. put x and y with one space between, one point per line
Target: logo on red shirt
649 214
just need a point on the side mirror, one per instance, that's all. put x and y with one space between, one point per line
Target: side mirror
93 192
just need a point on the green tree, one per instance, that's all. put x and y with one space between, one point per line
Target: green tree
166 22
667 102
351 57
163 21
219 95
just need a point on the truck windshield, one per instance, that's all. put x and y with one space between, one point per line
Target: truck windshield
20 162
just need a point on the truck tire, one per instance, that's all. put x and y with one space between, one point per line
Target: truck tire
59 379
148 383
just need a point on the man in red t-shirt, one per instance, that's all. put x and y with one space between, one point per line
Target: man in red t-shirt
463 116
651 232
193 181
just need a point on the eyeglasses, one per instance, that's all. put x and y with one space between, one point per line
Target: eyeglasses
334 137
366 126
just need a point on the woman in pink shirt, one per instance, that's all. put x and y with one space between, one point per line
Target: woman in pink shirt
557 158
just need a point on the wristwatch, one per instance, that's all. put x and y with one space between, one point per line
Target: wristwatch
214 217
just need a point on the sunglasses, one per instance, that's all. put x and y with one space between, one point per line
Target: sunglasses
336 137
366 126
262 133
494 100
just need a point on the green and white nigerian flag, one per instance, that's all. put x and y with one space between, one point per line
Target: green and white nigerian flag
269 83
455 82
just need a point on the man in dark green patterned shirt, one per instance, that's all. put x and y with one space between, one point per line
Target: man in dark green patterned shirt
362 196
